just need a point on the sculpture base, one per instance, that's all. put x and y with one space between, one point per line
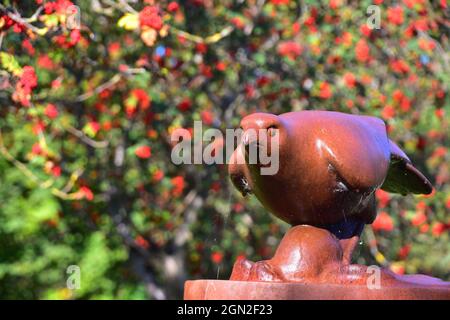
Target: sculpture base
244 290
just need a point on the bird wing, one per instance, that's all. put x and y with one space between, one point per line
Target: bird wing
402 176
358 150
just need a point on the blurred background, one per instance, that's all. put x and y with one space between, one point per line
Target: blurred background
90 92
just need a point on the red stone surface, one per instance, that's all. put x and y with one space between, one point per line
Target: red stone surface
243 290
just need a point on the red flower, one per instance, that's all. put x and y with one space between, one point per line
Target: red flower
173 6
249 91
383 198
94 127
383 222
350 80
399 66
217 257
395 15
18 27
56 84
418 219
397 95
68 42
56 171
51 111
421 24
26 44
400 98
6 22
158 175
178 185
221 66
143 152
279 2
334 4
421 205
184 105
27 81
388 112
45 62
439 152
405 105
207 117
105 94
424 228
398 269
404 251
142 97
137 97
206 70
141 242
201 48
86 193
426 45
438 229
290 49
215 186
28 77
36 149
362 51
296 27
325 90
238 22
59 6
238 207
150 17
74 36
365 30
262 81
38 128
410 3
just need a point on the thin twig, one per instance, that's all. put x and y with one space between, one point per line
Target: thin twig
373 246
100 88
207 40
17 18
23 168
2 34
79 134
73 178
29 174
36 14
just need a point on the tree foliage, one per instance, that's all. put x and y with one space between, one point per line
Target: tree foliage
86 112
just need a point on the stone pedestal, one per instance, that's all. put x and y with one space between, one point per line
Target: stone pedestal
243 290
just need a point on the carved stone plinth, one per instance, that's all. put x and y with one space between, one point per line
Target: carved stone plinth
248 290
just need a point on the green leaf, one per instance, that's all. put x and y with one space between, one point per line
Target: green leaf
129 21
10 63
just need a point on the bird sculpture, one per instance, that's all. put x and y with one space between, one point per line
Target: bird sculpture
329 166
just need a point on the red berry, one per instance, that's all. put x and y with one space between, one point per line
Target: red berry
150 17
143 152
51 111
173 6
